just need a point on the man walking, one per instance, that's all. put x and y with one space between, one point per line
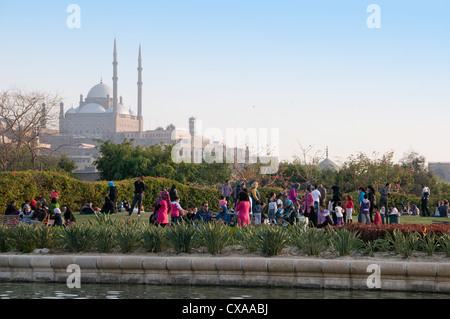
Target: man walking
227 191
323 194
139 189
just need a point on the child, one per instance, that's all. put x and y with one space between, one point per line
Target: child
272 210
223 201
339 215
377 216
382 214
365 210
176 210
54 194
349 208
257 212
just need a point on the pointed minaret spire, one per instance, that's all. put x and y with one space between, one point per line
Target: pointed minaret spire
140 119
327 151
115 77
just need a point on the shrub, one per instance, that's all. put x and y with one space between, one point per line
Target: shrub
404 244
247 237
128 236
46 237
271 240
444 243
214 236
344 242
24 237
105 237
6 241
311 241
153 238
77 238
181 237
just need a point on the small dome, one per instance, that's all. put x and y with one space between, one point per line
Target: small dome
92 108
72 111
327 164
100 90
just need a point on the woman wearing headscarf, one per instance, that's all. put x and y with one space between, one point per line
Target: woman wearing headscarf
164 208
112 192
337 197
308 202
372 200
173 193
293 193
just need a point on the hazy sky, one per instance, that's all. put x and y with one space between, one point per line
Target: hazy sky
312 69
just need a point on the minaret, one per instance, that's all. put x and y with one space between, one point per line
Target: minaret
61 117
115 78
139 84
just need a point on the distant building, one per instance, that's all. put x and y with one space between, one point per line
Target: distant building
442 170
327 164
102 115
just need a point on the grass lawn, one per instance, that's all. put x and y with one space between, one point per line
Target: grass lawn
145 216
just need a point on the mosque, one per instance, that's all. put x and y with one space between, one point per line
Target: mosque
102 115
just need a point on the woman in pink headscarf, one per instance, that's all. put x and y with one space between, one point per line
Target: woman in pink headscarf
164 208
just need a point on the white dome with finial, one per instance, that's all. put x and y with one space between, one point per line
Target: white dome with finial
100 90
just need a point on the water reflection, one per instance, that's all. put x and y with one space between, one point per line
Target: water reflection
104 291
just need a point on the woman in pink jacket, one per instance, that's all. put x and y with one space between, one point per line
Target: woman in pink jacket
164 209
243 209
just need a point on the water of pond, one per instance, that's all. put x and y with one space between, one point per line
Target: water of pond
9 290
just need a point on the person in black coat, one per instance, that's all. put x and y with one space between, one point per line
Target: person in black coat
372 199
108 207
11 209
337 197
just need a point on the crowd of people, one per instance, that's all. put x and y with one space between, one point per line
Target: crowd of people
312 207
36 212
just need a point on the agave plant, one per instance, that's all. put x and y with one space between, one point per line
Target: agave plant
272 240
129 236
46 237
444 243
247 237
181 237
105 237
77 237
153 238
429 243
214 236
345 242
6 240
404 244
24 237
311 241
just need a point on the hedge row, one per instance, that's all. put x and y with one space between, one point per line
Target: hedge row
20 186
23 185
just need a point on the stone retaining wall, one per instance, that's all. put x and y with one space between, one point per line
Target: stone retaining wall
230 271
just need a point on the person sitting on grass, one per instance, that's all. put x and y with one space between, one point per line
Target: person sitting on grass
224 216
87 209
204 214
108 207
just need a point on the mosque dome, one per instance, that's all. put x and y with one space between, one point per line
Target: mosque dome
71 111
327 164
100 90
92 108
